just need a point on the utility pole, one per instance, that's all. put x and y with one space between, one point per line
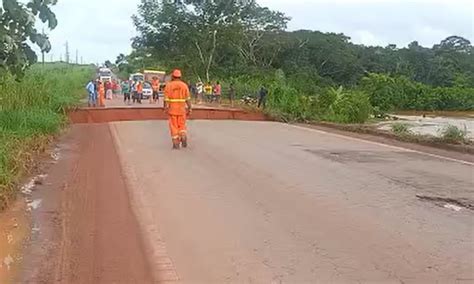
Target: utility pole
67 53
77 57
42 52
82 61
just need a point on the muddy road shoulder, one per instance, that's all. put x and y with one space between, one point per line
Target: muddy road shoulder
86 229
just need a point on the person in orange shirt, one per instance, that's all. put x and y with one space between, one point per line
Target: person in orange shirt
155 85
178 106
139 94
101 94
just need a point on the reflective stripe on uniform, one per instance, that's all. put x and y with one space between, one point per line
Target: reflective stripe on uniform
175 100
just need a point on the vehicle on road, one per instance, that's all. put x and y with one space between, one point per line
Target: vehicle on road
137 77
161 75
105 74
147 91
249 100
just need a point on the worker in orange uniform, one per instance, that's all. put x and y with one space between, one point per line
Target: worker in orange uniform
178 106
139 94
101 94
155 85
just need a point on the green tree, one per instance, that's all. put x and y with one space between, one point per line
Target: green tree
17 30
329 55
204 36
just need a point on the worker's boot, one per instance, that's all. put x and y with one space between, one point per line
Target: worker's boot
184 142
176 144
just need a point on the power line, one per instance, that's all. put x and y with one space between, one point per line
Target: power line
67 53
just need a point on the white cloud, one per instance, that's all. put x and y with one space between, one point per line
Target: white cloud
101 29
382 21
367 38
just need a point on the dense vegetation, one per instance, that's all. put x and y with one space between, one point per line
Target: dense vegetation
31 111
32 102
244 43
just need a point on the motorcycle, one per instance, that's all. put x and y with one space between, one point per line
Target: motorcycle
249 100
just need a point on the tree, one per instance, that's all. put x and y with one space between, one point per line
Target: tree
17 29
261 43
454 43
329 55
123 65
108 64
201 35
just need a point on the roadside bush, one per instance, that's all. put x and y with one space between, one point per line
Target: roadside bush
326 100
352 107
400 93
287 104
400 128
307 82
453 134
382 91
448 98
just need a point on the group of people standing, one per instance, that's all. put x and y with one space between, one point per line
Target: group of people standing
209 92
100 91
213 93
132 91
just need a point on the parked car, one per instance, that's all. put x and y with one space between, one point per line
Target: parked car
147 91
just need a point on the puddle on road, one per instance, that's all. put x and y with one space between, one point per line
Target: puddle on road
56 154
35 204
27 189
14 230
452 207
344 156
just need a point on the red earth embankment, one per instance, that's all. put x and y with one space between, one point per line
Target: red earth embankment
104 115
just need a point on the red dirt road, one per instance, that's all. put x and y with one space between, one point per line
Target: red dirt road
97 236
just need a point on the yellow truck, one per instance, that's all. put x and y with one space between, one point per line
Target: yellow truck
161 75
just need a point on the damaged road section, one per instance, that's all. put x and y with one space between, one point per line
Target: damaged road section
104 115
449 203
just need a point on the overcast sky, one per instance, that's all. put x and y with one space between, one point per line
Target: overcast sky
101 29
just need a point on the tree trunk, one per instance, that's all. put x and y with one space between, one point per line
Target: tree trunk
211 55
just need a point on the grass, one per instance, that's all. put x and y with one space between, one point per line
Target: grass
31 112
453 134
400 128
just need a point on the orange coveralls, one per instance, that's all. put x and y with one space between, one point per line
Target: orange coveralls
176 95
101 94
155 85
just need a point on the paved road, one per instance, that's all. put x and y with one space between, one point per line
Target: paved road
272 203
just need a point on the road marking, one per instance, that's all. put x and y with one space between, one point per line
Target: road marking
381 144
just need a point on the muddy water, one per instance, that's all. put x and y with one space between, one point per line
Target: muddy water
433 125
14 230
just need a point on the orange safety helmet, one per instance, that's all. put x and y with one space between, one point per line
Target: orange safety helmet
176 73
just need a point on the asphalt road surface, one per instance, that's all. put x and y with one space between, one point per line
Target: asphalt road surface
272 203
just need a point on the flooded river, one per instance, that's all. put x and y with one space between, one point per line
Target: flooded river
432 125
